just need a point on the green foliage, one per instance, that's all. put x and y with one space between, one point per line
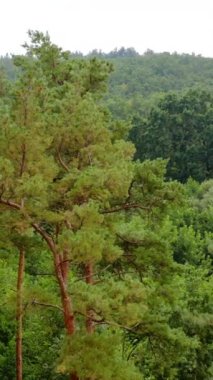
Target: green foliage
179 129
101 359
66 171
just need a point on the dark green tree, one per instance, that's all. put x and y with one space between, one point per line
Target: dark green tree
179 129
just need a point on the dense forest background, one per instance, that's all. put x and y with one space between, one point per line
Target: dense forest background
144 89
116 238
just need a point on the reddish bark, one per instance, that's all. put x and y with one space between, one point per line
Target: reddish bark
65 265
89 280
19 316
61 271
65 297
62 281
61 275
74 377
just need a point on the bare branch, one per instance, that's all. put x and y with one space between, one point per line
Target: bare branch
34 302
9 203
61 161
130 190
86 316
36 226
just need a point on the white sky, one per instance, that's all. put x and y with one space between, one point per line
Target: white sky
83 25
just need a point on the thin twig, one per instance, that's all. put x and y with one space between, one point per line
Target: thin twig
125 206
103 321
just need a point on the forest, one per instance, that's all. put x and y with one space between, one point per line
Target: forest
106 215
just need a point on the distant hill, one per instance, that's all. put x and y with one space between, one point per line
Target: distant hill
139 80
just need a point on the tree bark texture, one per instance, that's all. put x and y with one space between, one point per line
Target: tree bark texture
65 297
19 316
61 270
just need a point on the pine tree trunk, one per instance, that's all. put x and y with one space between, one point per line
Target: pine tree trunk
74 377
61 269
65 297
65 265
61 272
19 316
89 280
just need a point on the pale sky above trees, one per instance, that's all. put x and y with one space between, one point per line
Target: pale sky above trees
83 25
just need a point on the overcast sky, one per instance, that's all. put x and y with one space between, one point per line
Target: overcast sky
83 25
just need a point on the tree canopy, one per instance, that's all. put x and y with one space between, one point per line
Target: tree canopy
105 264
180 129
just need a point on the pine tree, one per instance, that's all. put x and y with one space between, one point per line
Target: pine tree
60 169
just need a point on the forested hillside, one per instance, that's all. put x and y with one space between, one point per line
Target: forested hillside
138 82
106 246
167 98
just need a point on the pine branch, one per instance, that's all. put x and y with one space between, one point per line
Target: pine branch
86 316
9 203
125 206
34 302
45 236
103 321
61 161
130 191
36 226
